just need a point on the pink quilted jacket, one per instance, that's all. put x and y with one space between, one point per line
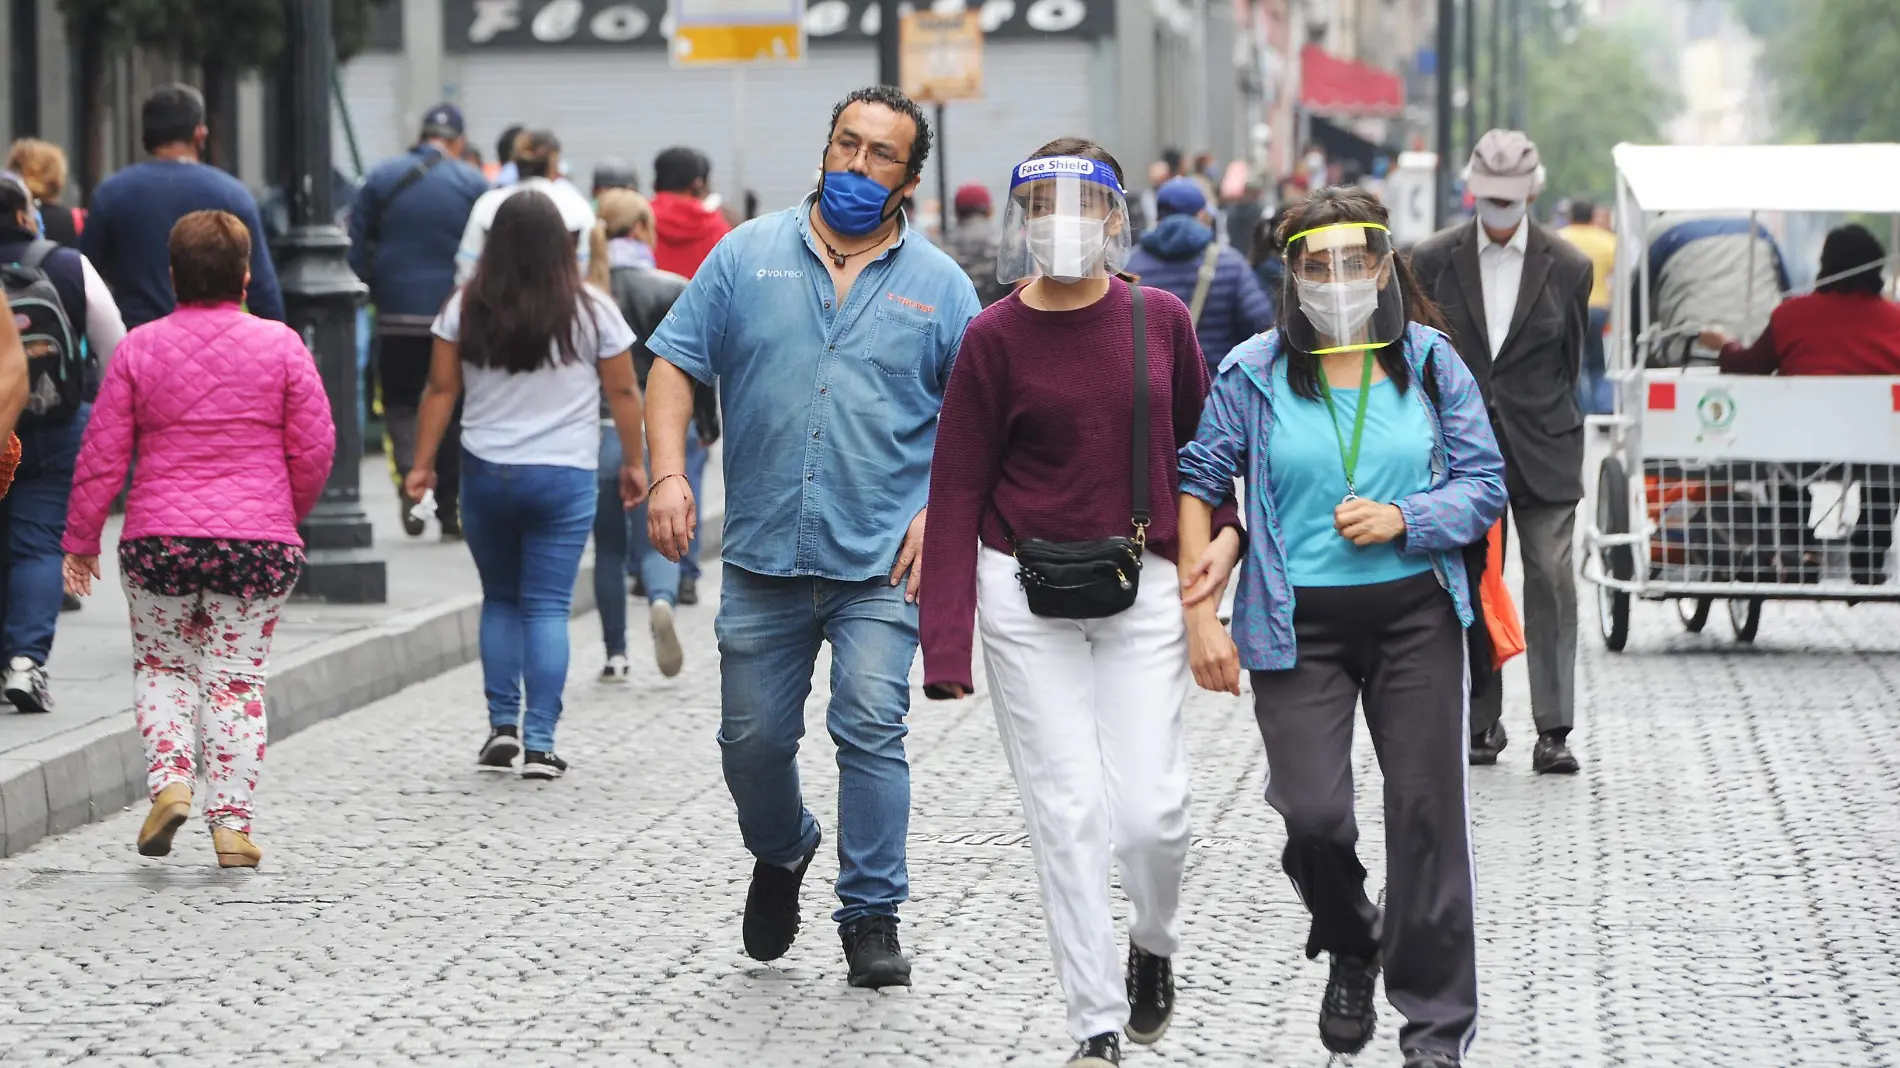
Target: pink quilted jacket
230 423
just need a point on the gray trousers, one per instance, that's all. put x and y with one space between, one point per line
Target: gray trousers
1545 534
1396 647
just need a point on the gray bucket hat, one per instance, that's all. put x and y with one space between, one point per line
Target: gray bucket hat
1505 166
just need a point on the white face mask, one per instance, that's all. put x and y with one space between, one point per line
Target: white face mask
1339 310
1066 248
1502 216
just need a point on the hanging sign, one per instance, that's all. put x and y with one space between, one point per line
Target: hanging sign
732 32
533 25
941 56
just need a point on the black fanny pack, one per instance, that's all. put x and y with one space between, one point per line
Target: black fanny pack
1099 578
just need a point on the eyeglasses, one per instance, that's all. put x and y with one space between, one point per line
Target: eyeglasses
845 148
1347 268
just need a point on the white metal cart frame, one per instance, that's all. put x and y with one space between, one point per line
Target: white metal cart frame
1692 503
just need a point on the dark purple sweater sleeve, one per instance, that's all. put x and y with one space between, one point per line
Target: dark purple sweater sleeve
963 473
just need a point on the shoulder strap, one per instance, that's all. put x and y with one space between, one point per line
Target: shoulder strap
1209 261
372 226
1430 373
36 253
1142 501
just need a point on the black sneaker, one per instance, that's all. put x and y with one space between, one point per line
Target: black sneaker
771 907
1347 1016
451 527
1425 1058
872 950
538 765
500 751
1150 996
1102 1051
689 590
69 603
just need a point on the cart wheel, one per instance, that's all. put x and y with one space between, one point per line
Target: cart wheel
1694 612
1745 617
1613 517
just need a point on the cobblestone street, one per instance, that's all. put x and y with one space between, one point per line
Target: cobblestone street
1721 886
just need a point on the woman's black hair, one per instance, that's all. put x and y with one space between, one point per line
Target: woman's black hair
525 307
1339 204
1846 249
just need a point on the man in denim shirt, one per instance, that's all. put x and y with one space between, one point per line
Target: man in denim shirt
831 333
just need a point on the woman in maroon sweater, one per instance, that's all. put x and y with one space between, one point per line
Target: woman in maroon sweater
1035 442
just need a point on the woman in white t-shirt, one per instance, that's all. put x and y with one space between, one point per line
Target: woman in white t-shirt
534 350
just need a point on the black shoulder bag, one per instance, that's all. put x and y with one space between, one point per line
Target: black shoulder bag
1095 579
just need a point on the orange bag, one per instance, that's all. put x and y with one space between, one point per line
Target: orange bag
1500 611
9 463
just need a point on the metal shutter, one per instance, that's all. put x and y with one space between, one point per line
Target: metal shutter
631 105
1033 92
372 87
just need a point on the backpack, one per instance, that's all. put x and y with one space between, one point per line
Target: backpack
1481 649
55 364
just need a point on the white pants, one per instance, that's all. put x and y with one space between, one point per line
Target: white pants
1090 714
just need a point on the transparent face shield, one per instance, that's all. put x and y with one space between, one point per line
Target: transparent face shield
1342 289
1067 219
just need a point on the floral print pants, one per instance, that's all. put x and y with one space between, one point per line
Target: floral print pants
198 671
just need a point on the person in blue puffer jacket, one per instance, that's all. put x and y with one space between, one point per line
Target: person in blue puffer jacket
1173 256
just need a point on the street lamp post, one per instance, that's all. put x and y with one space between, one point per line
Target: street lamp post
321 295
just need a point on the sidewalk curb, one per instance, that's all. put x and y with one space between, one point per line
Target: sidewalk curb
95 771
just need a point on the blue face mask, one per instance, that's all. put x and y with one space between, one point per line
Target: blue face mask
852 203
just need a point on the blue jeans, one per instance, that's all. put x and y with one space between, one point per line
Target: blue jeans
769 630
696 478
621 545
526 526
1593 390
36 523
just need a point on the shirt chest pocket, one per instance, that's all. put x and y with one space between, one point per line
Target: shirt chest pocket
899 340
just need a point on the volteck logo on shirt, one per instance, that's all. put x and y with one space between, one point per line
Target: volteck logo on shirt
766 273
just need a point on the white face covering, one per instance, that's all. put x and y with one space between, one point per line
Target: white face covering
1339 310
1067 248
1502 216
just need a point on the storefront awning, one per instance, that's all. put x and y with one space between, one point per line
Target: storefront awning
1330 85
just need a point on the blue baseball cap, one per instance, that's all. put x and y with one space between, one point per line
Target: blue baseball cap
1180 196
443 120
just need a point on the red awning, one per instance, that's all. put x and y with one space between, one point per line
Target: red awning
1334 86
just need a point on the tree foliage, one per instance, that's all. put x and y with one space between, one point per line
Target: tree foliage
246 34
1834 70
1588 90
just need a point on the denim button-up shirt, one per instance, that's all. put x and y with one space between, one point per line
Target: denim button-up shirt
1466 495
830 406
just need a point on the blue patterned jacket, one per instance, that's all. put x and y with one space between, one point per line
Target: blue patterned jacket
1466 497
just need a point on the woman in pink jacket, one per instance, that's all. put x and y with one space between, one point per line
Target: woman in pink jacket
234 441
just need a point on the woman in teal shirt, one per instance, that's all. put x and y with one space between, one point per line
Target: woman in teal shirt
1370 463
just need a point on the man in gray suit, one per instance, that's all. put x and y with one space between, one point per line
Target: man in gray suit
1517 297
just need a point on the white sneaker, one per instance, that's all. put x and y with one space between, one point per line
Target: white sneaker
666 640
617 669
26 686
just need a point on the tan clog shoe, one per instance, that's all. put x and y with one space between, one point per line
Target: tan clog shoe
235 848
170 809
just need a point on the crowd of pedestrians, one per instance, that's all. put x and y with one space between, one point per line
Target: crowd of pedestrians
1060 435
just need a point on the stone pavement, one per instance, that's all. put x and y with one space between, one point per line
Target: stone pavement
1718 888
81 762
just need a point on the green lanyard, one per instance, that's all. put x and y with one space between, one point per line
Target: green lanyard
1349 458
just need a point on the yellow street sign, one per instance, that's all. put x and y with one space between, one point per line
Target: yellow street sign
737 32
941 56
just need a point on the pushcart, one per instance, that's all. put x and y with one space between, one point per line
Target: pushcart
1734 488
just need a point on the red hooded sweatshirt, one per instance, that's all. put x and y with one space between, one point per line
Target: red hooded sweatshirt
686 230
